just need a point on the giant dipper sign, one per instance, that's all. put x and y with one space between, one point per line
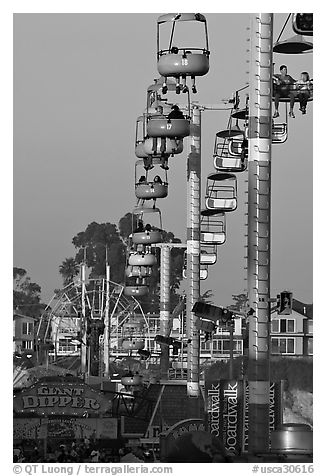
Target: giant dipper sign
60 398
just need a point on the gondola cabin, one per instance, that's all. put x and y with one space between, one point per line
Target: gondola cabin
230 153
150 186
149 232
221 192
175 59
212 227
208 253
203 272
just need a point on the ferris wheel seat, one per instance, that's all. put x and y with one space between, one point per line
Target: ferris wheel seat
136 291
192 64
163 127
151 190
210 237
159 147
147 238
223 204
229 164
147 259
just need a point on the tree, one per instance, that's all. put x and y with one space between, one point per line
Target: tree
26 294
241 302
206 297
68 270
98 241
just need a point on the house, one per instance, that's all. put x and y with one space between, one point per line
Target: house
292 334
24 329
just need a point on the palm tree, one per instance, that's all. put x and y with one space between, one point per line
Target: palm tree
68 269
206 297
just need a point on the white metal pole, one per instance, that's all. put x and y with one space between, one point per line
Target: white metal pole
259 224
193 249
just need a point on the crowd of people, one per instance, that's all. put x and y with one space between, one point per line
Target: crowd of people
83 451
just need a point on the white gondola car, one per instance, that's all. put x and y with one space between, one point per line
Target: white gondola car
230 154
208 254
221 192
140 259
212 227
181 62
146 234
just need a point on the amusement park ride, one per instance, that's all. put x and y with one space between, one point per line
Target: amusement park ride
98 326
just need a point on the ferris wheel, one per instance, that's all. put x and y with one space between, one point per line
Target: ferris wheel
88 320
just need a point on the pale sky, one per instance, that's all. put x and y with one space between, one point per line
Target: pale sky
80 82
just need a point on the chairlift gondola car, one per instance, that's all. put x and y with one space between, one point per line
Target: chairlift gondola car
147 188
212 227
230 153
203 272
302 23
132 288
208 253
163 122
180 61
221 192
148 233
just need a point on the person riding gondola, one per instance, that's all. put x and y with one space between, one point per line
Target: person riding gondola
175 113
303 87
282 89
